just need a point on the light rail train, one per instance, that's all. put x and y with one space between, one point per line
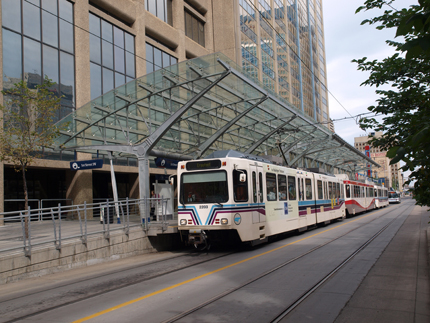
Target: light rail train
230 196
394 197
361 197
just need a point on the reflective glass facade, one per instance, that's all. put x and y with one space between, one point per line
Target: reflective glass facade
111 55
157 59
282 46
161 9
38 41
194 28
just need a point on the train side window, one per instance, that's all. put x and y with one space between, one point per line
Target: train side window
320 190
282 186
291 188
308 186
271 187
254 186
337 190
240 189
347 191
260 177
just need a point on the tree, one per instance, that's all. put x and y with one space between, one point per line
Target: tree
28 127
405 105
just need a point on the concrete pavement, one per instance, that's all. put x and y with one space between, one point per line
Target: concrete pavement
397 288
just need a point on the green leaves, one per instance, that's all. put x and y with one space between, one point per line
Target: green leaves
402 82
28 126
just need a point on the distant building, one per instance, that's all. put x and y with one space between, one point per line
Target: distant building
331 125
391 173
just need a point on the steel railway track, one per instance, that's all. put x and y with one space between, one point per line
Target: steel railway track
280 316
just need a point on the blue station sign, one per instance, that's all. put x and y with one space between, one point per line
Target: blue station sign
166 163
86 164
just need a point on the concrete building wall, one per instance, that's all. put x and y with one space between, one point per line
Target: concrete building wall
222 32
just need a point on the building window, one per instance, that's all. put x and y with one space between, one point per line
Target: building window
194 28
111 56
161 9
38 41
157 59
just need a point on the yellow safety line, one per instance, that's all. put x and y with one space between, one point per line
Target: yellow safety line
207 274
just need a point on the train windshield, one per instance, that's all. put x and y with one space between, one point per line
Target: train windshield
204 187
393 195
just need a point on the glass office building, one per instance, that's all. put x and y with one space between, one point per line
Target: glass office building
282 45
90 47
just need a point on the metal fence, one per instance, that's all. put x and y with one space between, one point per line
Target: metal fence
61 222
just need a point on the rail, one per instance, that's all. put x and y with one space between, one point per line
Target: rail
93 218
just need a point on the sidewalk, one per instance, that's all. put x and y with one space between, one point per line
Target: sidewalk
397 288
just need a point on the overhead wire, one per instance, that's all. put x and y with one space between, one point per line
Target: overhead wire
304 64
160 67
184 79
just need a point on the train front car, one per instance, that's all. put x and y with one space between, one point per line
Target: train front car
213 198
394 197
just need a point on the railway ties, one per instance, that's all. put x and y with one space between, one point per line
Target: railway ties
289 308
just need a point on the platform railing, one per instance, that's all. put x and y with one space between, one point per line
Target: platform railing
93 218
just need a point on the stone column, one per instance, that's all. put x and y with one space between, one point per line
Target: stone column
82 53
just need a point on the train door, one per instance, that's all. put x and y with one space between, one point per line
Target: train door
258 213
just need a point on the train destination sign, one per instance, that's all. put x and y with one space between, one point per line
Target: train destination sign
86 164
206 164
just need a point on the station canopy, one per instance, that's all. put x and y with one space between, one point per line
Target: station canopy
207 104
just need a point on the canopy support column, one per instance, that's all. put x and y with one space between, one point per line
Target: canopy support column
114 187
143 164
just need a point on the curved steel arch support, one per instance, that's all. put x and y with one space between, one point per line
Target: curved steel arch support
153 139
142 150
312 145
205 146
290 146
264 138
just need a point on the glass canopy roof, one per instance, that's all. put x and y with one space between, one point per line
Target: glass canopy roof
199 106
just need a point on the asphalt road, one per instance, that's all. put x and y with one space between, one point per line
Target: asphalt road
248 285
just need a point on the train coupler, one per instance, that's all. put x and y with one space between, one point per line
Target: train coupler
198 238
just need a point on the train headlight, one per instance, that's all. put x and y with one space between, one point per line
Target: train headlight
224 221
183 222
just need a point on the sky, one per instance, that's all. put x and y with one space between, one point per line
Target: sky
345 40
